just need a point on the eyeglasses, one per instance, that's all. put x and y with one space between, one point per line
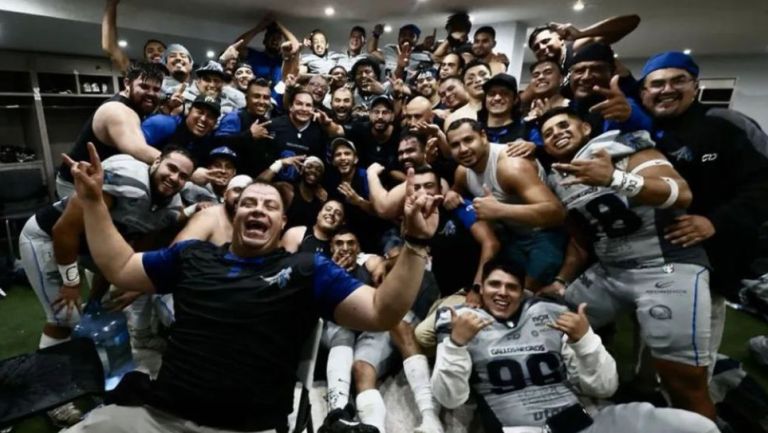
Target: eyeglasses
677 83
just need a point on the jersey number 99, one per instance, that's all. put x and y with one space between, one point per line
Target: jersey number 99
506 375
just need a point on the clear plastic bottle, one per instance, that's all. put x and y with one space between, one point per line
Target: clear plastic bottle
109 330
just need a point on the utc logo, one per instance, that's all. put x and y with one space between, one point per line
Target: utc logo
281 278
707 157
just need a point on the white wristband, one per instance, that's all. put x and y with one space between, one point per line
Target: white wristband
674 192
626 183
70 276
190 210
276 166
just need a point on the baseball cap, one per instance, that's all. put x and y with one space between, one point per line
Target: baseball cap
412 27
383 99
594 52
208 101
211 68
223 151
314 160
241 181
177 48
670 59
341 141
505 80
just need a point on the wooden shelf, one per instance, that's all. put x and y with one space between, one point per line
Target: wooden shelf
12 166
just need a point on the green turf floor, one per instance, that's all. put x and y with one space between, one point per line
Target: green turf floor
21 319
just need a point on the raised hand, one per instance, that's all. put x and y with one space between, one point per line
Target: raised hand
567 31
375 169
465 326
404 54
574 325
399 88
89 176
452 200
177 99
597 171
259 130
345 261
350 195
426 128
321 118
420 210
297 161
232 52
429 42
487 207
616 106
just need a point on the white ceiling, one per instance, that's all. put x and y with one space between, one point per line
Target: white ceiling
708 27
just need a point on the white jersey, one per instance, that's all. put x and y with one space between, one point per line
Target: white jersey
520 369
624 234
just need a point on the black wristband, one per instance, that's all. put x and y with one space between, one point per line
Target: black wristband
416 241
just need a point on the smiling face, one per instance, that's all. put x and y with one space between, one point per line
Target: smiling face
225 166
258 100
258 222
144 94
344 159
410 153
381 116
426 85
169 174
548 45
564 135
345 245
201 120
468 147
153 52
341 103
500 100
302 109
178 64
312 173
668 92
356 40
319 44
546 79
330 217
242 77
453 94
210 84
474 78
501 294
318 87
586 75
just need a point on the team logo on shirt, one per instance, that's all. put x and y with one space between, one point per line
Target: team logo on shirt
449 229
281 278
530 348
660 312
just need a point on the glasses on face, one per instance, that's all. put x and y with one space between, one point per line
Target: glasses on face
677 83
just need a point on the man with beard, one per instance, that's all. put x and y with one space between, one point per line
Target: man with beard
475 75
178 62
597 95
366 74
140 198
209 81
426 86
354 50
511 191
221 168
482 49
625 192
559 41
317 237
115 127
451 66
318 87
152 52
544 89
402 60
341 107
379 136
266 302
339 77
531 359
320 60
243 75
724 169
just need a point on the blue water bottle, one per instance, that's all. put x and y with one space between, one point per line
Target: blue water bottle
109 331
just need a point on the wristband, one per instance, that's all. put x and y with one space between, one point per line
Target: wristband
674 192
70 276
416 241
417 250
561 280
276 166
190 210
626 183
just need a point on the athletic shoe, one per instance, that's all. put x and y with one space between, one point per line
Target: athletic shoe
342 421
758 346
65 415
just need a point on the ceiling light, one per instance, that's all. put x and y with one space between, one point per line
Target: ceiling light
388 28
615 55
329 11
210 54
122 43
578 6
687 51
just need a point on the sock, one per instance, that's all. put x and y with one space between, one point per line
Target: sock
371 409
417 372
339 375
47 341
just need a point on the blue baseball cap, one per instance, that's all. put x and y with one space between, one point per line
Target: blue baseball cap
223 151
670 59
412 27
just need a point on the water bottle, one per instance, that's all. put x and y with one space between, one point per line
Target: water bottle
109 331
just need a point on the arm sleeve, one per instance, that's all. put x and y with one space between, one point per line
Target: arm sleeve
158 128
590 367
450 377
331 285
466 214
638 120
162 266
229 125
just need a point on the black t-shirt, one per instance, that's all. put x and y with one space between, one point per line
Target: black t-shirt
301 212
517 129
455 253
311 244
240 327
310 141
369 150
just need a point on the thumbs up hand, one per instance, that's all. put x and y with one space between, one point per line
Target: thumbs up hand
574 325
616 106
487 207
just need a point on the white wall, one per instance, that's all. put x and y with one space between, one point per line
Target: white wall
751 73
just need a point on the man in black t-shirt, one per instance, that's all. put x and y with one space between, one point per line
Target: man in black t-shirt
243 311
377 138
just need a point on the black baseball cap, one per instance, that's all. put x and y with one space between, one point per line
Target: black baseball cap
383 99
505 80
341 141
208 101
211 68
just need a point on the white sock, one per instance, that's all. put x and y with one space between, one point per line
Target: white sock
417 372
371 409
47 341
339 374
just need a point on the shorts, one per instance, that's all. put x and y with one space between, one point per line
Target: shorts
671 302
376 348
540 252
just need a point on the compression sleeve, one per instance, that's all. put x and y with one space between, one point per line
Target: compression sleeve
159 128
